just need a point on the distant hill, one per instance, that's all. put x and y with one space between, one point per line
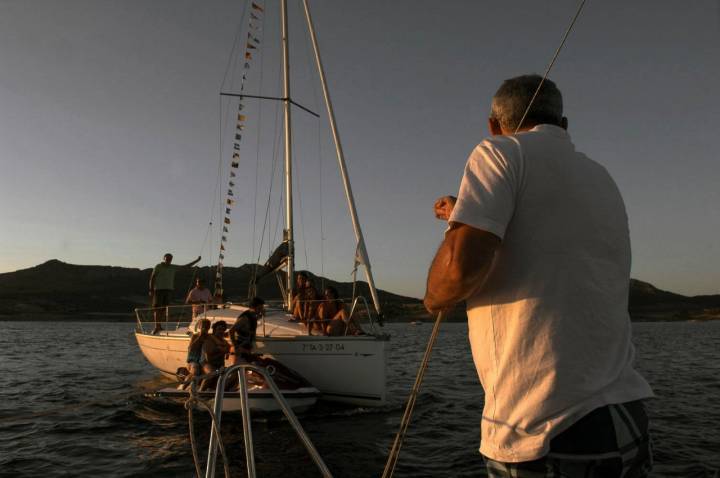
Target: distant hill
648 303
57 290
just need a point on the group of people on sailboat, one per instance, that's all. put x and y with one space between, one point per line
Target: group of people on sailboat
209 348
322 314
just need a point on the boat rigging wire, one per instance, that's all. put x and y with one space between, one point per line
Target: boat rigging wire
302 219
276 141
316 105
552 62
257 149
405 422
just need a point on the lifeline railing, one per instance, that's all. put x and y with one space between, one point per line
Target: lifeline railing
171 317
247 429
355 312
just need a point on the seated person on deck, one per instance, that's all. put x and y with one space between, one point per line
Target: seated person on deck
334 317
298 296
214 350
194 356
310 302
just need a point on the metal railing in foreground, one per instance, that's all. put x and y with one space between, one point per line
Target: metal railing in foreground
216 415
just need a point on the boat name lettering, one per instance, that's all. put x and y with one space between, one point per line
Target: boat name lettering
334 347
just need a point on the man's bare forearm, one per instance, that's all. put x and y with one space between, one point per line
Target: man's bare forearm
460 266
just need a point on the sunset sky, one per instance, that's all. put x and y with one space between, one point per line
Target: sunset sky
112 129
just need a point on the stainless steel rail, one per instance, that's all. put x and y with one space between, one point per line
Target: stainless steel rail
247 428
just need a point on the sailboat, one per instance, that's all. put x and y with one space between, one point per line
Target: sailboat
349 368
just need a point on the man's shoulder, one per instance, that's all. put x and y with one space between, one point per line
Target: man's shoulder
496 147
500 153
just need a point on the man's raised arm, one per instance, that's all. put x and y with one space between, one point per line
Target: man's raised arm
190 264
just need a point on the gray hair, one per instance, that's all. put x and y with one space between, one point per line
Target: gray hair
512 99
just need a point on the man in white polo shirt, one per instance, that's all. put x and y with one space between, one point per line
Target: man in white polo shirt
538 247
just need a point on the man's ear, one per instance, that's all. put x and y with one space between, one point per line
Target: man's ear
564 123
494 127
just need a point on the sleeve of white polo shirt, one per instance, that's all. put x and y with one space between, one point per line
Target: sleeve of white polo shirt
486 199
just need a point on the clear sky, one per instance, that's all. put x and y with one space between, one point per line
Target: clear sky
110 126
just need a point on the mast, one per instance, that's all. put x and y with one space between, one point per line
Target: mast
361 251
288 157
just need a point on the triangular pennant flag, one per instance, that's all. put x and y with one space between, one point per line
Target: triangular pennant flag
246 65
248 55
224 239
230 202
240 105
254 17
236 146
234 164
228 210
230 193
232 174
222 256
239 126
227 220
251 46
231 184
225 229
236 156
238 137
257 7
222 247
242 117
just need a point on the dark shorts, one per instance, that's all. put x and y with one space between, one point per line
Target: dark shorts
161 297
611 441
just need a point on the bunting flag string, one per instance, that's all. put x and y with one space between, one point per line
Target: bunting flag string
248 55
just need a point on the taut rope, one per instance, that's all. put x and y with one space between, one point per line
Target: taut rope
552 62
395 451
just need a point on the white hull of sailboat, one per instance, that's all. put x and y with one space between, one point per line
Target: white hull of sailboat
348 369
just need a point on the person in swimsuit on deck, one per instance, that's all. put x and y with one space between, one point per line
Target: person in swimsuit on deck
297 298
310 300
194 356
334 317
214 350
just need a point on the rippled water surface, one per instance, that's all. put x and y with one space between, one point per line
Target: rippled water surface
72 403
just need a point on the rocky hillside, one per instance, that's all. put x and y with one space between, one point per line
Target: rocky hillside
56 290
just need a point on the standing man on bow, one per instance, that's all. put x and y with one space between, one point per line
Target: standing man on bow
162 284
538 246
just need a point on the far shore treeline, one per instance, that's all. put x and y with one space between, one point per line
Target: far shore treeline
56 290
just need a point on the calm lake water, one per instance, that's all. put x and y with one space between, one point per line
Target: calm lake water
73 404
